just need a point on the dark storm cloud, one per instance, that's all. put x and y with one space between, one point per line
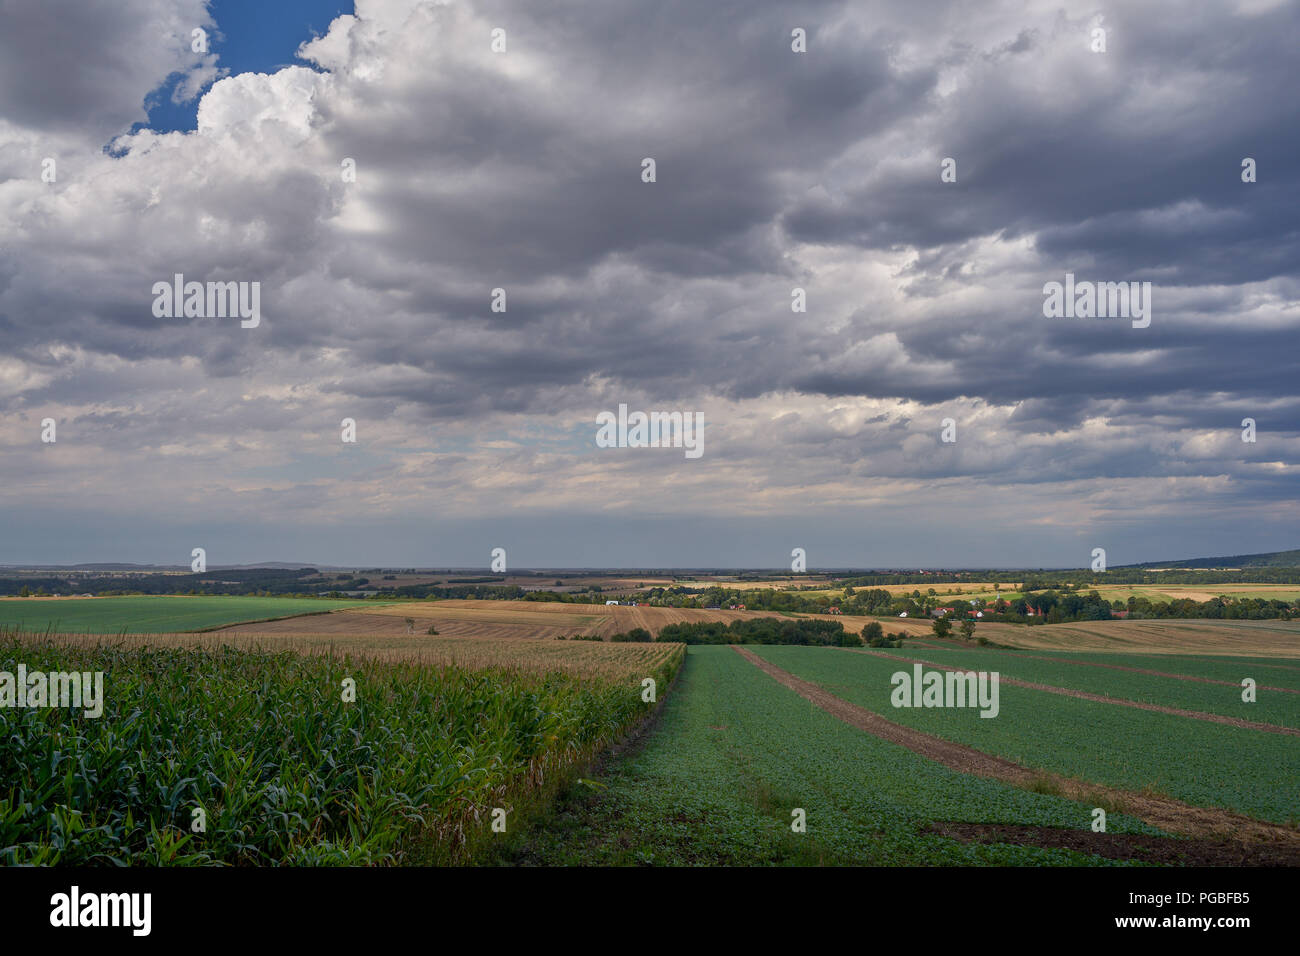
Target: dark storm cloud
68 66
774 170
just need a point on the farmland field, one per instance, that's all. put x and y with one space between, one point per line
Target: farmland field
735 754
1157 594
494 711
1251 639
1280 671
283 766
1213 638
496 619
152 613
734 582
1168 592
1202 763
604 660
1135 683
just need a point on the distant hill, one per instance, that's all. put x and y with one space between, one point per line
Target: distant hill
157 568
1270 559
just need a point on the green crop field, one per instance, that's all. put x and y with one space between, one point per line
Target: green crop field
1206 764
1270 707
154 614
735 753
1265 671
284 769
252 729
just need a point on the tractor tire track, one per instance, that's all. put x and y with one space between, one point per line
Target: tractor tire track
1099 698
1166 813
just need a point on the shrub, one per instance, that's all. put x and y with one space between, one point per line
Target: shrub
891 640
763 630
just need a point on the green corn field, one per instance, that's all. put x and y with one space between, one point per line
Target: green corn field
263 750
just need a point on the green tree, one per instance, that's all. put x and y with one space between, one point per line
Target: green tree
942 627
968 628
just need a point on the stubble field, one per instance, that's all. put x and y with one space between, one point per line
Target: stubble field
496 619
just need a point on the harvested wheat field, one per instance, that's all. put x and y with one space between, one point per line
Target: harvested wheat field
1220 638
525 619
493 619
967 589
1268 592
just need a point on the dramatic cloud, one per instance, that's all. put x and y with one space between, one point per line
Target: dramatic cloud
775 170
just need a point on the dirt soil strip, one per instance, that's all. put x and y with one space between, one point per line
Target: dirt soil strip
1084 695
1170 815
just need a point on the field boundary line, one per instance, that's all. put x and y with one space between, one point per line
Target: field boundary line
1166 813
625 745
1101 699
262 620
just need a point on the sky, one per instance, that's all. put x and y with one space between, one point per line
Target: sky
379 170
